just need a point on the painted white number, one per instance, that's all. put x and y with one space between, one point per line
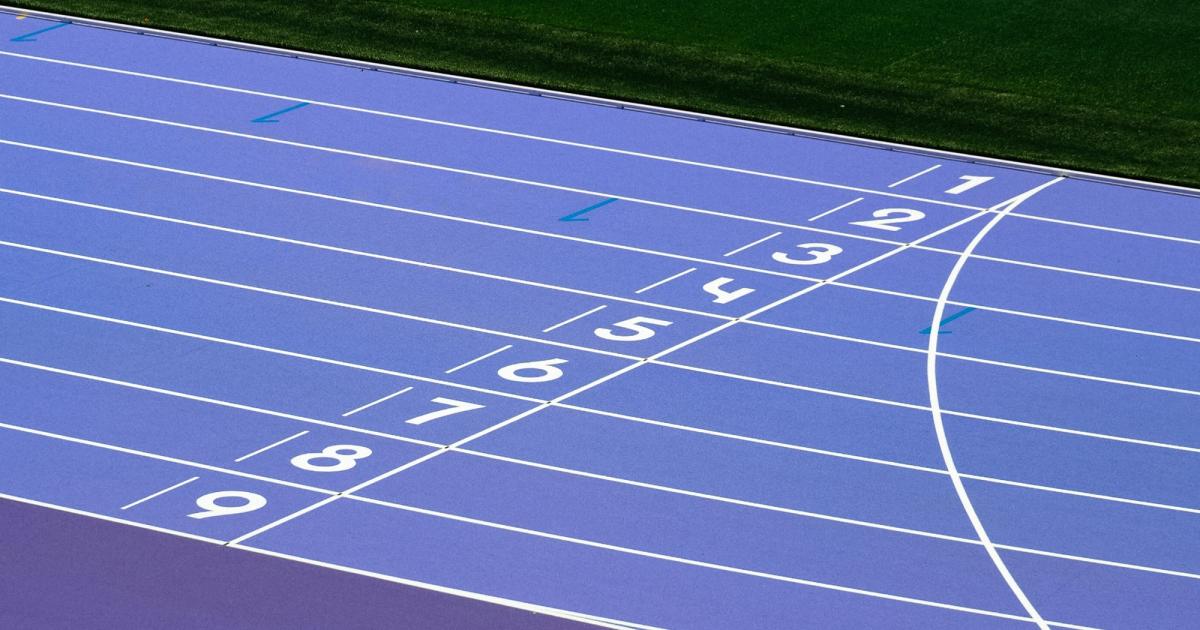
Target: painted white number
639 327
882 222
248 502
818 253
723 296
969 182
544 371
343 456
456 406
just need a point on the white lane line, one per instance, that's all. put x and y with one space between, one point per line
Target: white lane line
1069 270
867 399
425 165
574 318
718 498
309 298
681 560
1075 432
552 287
882 401
161 458
749 245
832 210
643 421
579 239
399 315
250 346
434 215
981 360
159 493
1009 311
478 359
375 402
665 280
659 361
1106 228
681 366
355 252
739 217
1107 563
914 176
1088 495
818 515
632 482
270 446
638 154
935 403
211 401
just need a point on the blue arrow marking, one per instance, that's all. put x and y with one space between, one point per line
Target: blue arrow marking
929 329
268 118
574 216
29 37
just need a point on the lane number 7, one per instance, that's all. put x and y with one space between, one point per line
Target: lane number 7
454 406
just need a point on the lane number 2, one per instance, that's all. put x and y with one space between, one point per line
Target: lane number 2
888 218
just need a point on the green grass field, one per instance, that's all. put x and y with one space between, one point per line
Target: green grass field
1109 87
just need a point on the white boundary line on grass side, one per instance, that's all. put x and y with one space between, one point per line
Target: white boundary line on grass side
600 101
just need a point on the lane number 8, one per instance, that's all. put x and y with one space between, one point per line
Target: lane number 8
342 456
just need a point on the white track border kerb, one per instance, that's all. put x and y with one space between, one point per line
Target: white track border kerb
608 102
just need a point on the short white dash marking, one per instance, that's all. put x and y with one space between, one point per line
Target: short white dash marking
270 446
159 493
477 359
666 280
915 175
832 210
375 402
575 318
749 245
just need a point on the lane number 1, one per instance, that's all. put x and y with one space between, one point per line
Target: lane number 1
969 182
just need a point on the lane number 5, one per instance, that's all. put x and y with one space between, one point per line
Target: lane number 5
639 329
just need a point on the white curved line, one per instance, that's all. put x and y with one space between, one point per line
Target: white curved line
1001 210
